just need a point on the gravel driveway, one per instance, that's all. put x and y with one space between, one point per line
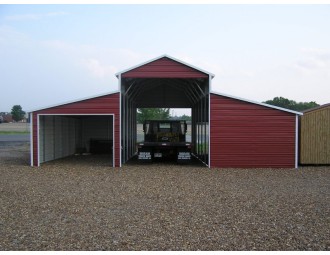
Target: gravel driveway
69 205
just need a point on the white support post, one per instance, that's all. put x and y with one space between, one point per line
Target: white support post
31 138
120 92
113 141
38 140
210 79
296 142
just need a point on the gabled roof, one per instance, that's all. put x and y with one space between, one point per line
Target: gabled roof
169 57
258 103
317 108
74 101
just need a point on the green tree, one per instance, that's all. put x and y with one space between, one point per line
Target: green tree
152 114
291 104
17 113
185 117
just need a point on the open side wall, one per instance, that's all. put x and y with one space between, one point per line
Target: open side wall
200 128
247 135
51 122
128 127
57 137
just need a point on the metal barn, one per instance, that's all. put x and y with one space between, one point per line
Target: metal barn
226 131
315 136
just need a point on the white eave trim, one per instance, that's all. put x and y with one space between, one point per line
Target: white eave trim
258 103
166 56
74 101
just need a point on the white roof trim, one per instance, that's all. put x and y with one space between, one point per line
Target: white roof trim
74 101
258 103
165 56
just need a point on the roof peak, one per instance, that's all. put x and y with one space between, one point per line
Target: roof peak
169 57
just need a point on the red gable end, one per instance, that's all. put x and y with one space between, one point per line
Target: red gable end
164 68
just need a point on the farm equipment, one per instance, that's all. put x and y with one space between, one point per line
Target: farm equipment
164 139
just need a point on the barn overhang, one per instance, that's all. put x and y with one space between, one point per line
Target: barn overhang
164 92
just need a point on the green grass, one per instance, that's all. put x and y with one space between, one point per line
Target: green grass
202 148
14 132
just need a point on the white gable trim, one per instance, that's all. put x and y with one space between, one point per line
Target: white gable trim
258 103
165 56
75 101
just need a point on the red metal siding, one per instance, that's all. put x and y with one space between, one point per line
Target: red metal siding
164 68
248 135
108 104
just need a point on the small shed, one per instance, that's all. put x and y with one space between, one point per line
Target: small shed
315 136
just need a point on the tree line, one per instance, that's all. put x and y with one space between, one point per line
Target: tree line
291 104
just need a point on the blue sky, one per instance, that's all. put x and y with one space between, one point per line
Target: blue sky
51 54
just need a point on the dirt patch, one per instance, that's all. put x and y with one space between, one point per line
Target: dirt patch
64 206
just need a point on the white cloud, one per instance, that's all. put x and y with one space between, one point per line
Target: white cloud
34 16
313 60
97 69
8 34
320 52
100 62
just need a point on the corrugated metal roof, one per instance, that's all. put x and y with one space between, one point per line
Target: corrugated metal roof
73 101
169 57
258 103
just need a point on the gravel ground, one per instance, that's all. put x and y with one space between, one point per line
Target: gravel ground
75 204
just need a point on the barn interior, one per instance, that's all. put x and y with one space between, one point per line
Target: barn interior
66 135
190 93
